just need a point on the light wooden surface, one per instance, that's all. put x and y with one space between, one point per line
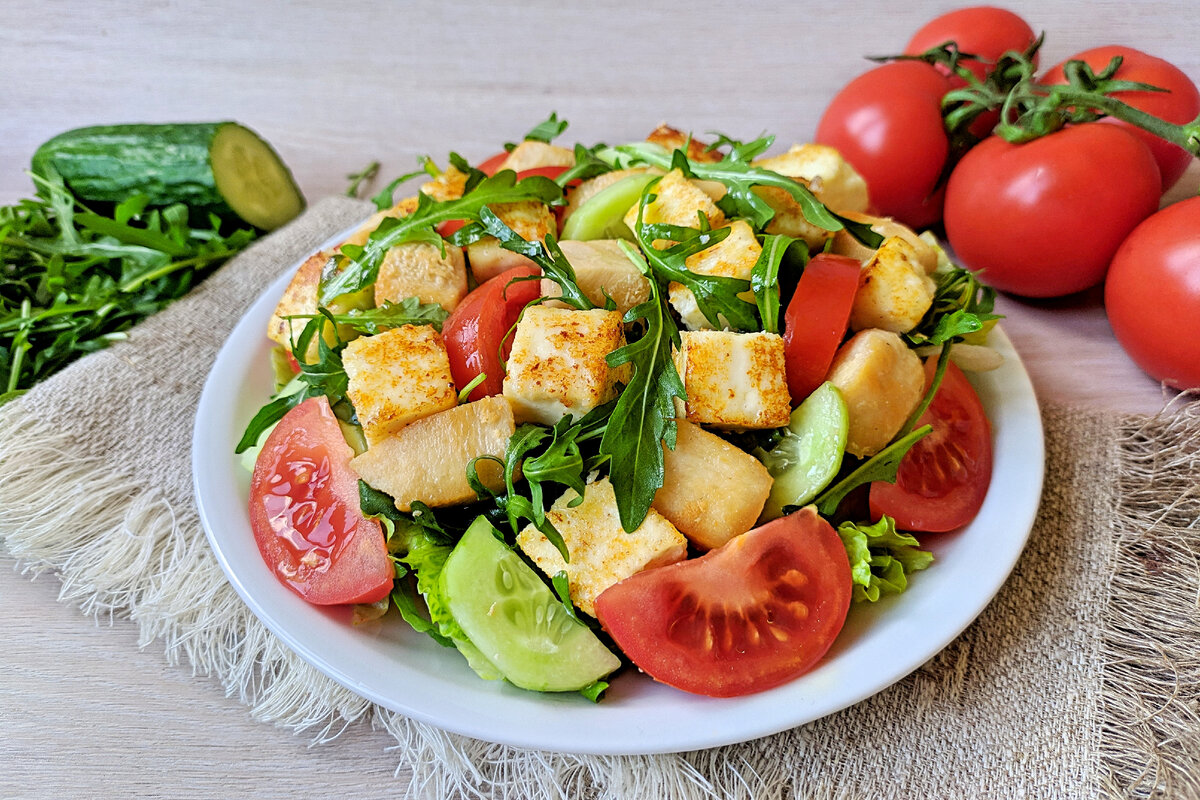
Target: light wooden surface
333 86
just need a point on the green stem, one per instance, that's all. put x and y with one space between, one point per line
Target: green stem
174 266
1186 136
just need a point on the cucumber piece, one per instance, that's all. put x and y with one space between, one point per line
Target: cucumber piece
603 216
515 620
810 454
218 166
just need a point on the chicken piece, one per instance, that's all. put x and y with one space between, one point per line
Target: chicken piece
882 382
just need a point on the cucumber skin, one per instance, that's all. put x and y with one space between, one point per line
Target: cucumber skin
170 163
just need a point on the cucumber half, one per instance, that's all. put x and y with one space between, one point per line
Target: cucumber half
219 166
514 619
603 215
810 453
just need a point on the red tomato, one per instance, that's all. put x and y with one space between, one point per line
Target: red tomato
750 615
1153 295
888 124
984 31
490 166
305 515
1043 219
815 320
1179 104
476 327
943 479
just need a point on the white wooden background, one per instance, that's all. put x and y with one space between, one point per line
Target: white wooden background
334 85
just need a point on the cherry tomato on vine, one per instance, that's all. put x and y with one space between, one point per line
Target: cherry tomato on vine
888 124
305 515
1179 104
816 318
984 31
943 479
477 326
1044 218
756 612
1153 295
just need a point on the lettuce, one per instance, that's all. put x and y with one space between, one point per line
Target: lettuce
881 558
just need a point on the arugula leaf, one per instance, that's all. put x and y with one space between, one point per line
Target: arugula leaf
386 198
587 165
547 255
644 416
360 265
764 277
961 310
744 152
547 130
409 311
357 179
881 558
880 467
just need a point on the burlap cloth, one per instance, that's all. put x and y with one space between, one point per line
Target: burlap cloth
1081 679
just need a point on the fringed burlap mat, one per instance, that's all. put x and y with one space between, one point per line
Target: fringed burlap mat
1081 679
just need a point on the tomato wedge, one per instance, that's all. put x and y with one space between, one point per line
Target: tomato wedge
305 515
476 327
943 479
815 320
748 616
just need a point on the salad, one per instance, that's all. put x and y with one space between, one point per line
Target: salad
665 404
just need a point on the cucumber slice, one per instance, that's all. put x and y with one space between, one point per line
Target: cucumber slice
514 619
810 454
218 166
603 216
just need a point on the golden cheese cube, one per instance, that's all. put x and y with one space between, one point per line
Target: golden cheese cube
882 382
894 292
602 553
846 245
300 298
397 377
421 270
448 185
789 218
531 154
734 381
601 266
733 257
529 219
402 209
672 139
712 491
677 201
558 363
822 168
427 460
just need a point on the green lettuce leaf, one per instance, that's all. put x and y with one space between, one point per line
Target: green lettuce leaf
881 558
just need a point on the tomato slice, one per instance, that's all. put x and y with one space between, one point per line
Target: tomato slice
748 616
815 321
305 515
491 165
943 479
476 327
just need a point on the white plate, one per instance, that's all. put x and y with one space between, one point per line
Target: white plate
407 672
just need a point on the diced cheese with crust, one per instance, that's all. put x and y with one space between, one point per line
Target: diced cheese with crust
602 553
733 257
822 168
402 209
427 460
789 218
529 219
734 381
712 491
846 245
558 363
672 139
677 201
893 290
601 266
449 185
882 382
531 154
397 377
300 298
420 270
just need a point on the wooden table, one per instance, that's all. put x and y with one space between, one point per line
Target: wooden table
336 85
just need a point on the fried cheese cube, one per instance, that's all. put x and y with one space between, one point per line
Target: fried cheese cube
532 154
421 270
448 185
845 244
427 459
677 201
601 266
602 553
397 377
822 168
672 139
301 298
733 257
882 382
402 209
789 219
893 290
558 363
529 219
734 381
712 491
